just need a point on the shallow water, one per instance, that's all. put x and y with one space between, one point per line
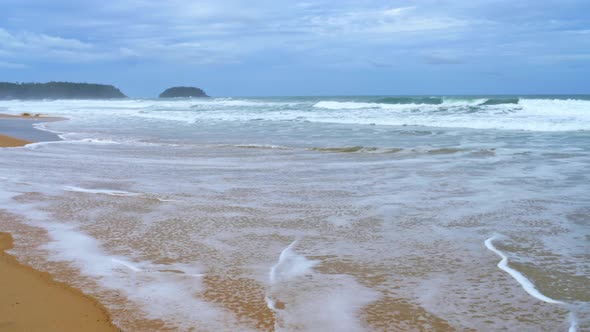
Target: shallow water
311 214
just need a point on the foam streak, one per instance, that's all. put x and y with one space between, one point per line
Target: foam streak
100 191
526 284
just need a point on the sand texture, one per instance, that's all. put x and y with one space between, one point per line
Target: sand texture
33 301
7 141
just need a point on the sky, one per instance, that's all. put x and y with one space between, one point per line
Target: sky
282 48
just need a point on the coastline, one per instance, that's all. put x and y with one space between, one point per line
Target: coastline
11 142
32 300
18 130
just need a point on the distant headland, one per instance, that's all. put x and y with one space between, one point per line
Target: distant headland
183 92
58 90
71 90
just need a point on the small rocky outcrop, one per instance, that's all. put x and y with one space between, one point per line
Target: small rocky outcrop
183 92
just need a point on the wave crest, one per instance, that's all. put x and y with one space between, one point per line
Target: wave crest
410 100
500 101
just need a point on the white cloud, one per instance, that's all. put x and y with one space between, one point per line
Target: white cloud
367 25
38 41
222 31
26 45
212 31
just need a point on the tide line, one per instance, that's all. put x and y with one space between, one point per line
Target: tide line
100 191
526 284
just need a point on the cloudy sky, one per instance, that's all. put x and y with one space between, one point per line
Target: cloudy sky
314 47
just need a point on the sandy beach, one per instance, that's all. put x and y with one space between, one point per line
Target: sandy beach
31 300
7 141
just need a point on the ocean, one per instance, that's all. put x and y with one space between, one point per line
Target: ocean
458 213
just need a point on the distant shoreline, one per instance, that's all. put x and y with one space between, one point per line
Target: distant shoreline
58 90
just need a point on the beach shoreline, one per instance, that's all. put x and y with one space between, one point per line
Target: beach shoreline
12 142
18 130
32 300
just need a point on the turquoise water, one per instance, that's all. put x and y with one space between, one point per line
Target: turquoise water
315 213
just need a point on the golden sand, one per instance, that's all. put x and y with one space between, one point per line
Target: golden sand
28 116
33 301
7 141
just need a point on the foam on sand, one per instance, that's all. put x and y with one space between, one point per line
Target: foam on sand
120 193
526 284
573 322
290 265
126 264
100 191
42 301
173 285
304 300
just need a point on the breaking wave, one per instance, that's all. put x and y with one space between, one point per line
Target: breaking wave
410 100
504 113
491 113
500 101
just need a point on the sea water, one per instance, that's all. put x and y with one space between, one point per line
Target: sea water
312 213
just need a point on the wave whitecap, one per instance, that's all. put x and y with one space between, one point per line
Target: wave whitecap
504 113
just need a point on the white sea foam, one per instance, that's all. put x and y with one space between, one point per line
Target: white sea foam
463 102
120 193
173 291
126 264
91 141
96 141
318 302
101 191
290 265
527 114
190 271
351 105
574 325
260 146
526 284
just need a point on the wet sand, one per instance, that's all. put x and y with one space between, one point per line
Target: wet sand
33 301
7 141
18 130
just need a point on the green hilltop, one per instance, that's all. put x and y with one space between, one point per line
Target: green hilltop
58 90
183 92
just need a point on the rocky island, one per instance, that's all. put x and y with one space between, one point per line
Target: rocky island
58 90
183 92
